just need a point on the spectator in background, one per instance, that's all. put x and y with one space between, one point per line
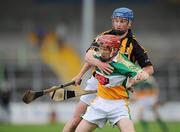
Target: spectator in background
38 36
146 97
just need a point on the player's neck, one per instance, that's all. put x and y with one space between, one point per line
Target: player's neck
124 35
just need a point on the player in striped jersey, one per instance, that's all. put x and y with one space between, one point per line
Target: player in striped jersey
111 103
121 23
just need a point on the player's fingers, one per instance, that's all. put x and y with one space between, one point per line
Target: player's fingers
104 71
139 76
106 65
131 89
77 82
110 67
146 75
142 76
107 71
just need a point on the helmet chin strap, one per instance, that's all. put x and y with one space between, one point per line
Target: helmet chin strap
119 32
105 60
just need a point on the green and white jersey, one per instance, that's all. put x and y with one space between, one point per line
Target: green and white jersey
123 70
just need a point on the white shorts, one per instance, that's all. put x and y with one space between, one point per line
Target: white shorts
92 84
102 110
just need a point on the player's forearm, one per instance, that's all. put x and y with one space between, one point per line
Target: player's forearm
89 58
149 69
84 69
141 76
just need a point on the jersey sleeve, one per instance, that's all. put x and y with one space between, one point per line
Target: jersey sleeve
140 54
127 68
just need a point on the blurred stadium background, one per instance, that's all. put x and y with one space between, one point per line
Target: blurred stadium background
42 43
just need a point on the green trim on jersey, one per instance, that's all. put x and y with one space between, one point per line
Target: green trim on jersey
122 66
123 69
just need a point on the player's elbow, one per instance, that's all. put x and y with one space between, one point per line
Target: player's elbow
88 56
149 69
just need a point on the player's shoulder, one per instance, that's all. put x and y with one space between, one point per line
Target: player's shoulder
131 36
103 33
106 32
133 39
137 45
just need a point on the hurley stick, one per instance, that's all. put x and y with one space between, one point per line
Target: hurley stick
31 95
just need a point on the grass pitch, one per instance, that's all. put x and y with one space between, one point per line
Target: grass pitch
153 127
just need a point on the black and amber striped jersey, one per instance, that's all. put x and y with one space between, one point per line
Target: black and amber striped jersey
129 47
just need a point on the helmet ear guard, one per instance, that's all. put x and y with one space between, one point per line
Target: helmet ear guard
129 23
112 52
